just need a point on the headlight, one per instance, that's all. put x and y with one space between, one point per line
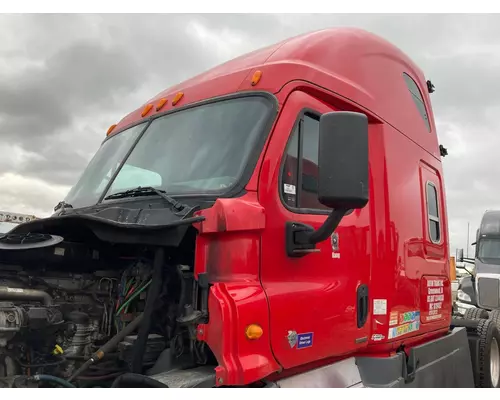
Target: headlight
463 296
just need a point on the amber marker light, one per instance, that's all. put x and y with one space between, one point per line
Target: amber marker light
256 77
253 332
146 110
161 104
177 98
110 129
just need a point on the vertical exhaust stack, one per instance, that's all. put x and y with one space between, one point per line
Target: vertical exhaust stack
453 279
453 269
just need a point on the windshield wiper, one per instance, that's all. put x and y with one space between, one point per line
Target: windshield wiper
144 191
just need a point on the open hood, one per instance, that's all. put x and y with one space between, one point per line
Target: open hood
117 224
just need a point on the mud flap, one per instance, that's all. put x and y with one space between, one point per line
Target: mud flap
443 363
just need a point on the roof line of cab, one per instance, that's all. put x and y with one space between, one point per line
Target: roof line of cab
367 79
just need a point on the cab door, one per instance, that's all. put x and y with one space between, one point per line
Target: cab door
319 302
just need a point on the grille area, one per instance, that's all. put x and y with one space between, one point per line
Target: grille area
489 294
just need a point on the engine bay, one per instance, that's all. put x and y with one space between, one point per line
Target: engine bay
79 312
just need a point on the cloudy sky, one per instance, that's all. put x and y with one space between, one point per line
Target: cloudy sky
65 78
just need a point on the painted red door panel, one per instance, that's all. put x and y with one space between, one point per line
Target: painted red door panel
313 299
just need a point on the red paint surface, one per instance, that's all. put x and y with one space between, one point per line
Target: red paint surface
228 250
241 244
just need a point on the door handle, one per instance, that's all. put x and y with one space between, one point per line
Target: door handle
362 305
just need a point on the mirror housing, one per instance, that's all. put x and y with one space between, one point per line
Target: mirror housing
342 177
343 160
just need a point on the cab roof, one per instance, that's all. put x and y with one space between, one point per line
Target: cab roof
490 223
353 63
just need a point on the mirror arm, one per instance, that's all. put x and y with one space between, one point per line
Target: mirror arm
324 231
466 270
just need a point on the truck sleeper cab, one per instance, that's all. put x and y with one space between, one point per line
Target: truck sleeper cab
310 171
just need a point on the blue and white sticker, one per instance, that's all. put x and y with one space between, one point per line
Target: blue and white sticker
301 340
305 340
409 316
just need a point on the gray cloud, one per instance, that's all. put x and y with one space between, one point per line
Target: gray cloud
65 78
72 66
38 101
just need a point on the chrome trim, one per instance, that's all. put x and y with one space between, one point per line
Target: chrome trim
465 306
476 284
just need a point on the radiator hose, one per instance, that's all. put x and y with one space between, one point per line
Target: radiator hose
108 346
153 294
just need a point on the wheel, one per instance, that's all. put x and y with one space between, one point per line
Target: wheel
476 313
495 317
488 356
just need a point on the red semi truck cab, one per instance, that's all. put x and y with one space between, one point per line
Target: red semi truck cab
306 188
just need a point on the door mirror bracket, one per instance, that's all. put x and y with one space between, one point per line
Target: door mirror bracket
301 239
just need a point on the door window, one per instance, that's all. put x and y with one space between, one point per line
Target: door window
299 180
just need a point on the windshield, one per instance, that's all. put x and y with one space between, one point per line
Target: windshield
489 251
102 167
199 150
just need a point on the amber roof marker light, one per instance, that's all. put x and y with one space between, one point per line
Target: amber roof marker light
256 77
161 104
110 129
177 98
146 110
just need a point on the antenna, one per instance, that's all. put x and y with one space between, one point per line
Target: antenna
468 225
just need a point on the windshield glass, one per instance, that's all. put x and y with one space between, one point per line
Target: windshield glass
101 168
489 251
199 150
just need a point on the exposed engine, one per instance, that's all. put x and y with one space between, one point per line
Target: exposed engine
70 310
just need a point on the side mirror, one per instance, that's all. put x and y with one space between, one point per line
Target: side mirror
343 160
342 177
460 255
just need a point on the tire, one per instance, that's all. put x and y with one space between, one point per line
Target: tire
476 313
488 356
495 317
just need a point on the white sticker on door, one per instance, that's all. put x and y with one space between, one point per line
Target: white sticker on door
289 189
379 307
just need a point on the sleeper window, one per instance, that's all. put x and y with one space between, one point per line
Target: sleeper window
433 213
418 99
